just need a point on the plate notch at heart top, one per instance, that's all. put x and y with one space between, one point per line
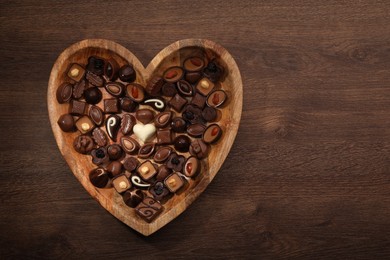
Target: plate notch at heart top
172 55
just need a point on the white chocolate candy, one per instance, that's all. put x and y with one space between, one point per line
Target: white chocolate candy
144 132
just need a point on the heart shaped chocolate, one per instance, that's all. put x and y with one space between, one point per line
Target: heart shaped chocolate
104 105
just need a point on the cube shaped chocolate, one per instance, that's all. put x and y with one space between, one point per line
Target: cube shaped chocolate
149 209
76 72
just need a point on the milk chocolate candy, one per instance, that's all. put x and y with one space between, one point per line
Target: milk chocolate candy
128 105
114 152
175 162
174 182
94 79
95 65
191 167
133 198
66 123
216 98
196 130
84 124
64 92
99 136
128 122
146 170
193 77
173 74
154 86
93 95
146 150
199 149
111 106
135 92
83 144
212 134
96 115
121 183
193 64
115 89
157 103
99 177
148 209
100 156
169 89
178 125
129 145
76 72
162 154
163 172
198 100
115 168
164 136
205 86
177 102
113 123
144 115
78 89
77 108
127 73
162 120
111 69
209 114
130 164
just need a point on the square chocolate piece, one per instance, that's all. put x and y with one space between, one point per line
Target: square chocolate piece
149 209
76 72
198 100
146 170
121 183
204 86
111 106
77 108
164 136
174 182
84 124
178 102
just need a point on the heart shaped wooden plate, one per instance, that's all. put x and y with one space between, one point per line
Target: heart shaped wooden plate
172 55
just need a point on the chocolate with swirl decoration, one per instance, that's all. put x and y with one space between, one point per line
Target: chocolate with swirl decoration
149 209
156 103
138 182
113 124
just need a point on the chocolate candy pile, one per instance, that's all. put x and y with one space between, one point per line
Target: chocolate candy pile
147 142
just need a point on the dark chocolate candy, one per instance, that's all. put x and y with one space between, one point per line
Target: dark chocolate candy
133 198
193 64
128 105
177 102
199 149
174 182
191 167
164 136
129 145
135 92
100 156
136 181
216 98
193 77
213 71
121 183
178 125
173 74
128 122
184 88
162 154
113 123
196 130
146 150
198 100
93 95
111 68
144 115
154 86
94 79
127 73
169 89
78 89
115 152
115 89
146 170
99 136
115 168
149 209
76 72
158 191
96 65
175 162
77 108
64 92
162 172
83 144
66 123
163 119
84 124
182 143
99 177
157 103
111 106
96 115
193 114
130 164
204 86
209 114
212 134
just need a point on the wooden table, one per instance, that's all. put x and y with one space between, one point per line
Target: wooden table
308 175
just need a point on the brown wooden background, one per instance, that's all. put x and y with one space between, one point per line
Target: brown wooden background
308 175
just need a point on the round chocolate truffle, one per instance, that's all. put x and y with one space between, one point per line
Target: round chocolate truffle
178 125
66 123
83 144
114 151
99 177
92 95
182 143
127 73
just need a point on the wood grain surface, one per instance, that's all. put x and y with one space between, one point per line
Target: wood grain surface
307 177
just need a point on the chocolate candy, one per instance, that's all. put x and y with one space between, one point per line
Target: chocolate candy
144 132
115 89
204 86
177 102
130 164
115 168
148 209
135 92
144 115
136 181
213 71
127 73
111 68
66 123
174 182
178 125
113 123
158 190
184 88
209 114
164 136
192 114
193 64
216 98
175 162
111 106
84 124
146 170
129 145
93 95
96 115
169 89
146 150
196 130
100 156
83 144
154 86
162 154
78 89
121 183
163 119
156 103
115 152
133 198
182 143
99 136
76 72
94 79
64 92
173 74
128 122
163 172
198 100
99 177
193 77
128 105
191 167
95 65
199 149
77 108
212 134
